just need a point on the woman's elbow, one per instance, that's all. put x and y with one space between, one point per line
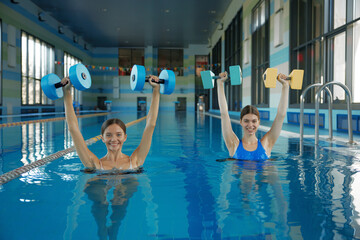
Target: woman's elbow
150 126
281 115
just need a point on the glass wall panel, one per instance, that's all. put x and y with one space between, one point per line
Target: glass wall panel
128 57
356 8
356 62
339 65
37 60
171 59
233 52
0 62
324 49
339 13
260 54
216 69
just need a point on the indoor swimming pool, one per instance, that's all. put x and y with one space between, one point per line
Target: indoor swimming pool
186 190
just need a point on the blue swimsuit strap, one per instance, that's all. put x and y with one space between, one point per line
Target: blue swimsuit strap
258 153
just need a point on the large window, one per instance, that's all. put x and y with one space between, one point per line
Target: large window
307 27
69 61
216 69
260 53
172 59
129 57
0 63
325 43
356 61
233 52
37 60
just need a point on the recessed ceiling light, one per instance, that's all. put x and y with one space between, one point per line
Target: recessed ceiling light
104 9
168 30
167 10
212 11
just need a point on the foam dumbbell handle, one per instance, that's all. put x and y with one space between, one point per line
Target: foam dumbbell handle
59 85
160 80
288 78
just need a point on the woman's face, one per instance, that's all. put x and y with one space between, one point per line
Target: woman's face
114 137
250 123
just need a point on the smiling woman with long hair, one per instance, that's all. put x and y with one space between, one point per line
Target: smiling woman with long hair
113 134
249 147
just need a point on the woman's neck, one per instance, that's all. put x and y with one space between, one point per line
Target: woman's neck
248 140
115 156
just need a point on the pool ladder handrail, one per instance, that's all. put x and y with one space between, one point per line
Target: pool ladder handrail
349 109
302 102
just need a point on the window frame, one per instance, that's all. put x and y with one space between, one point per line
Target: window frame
233 56
1 66
216 69
260 96
43 101
325 39
125 70
172 64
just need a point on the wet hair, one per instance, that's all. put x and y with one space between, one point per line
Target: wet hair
249 110
112 121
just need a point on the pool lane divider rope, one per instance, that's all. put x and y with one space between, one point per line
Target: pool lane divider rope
6 177
49 120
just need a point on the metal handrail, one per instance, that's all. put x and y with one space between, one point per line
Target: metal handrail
349 108
330 107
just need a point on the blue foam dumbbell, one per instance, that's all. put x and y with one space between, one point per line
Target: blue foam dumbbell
138 78
79 77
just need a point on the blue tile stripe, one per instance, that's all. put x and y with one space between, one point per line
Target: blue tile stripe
105 55
279 57
5 39
151 55
11 75
246 72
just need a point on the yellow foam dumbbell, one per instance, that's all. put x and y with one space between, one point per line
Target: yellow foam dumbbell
295 77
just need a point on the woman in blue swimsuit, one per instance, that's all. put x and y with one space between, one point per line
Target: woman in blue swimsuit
249 147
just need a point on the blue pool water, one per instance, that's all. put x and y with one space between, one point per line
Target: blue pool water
183 193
